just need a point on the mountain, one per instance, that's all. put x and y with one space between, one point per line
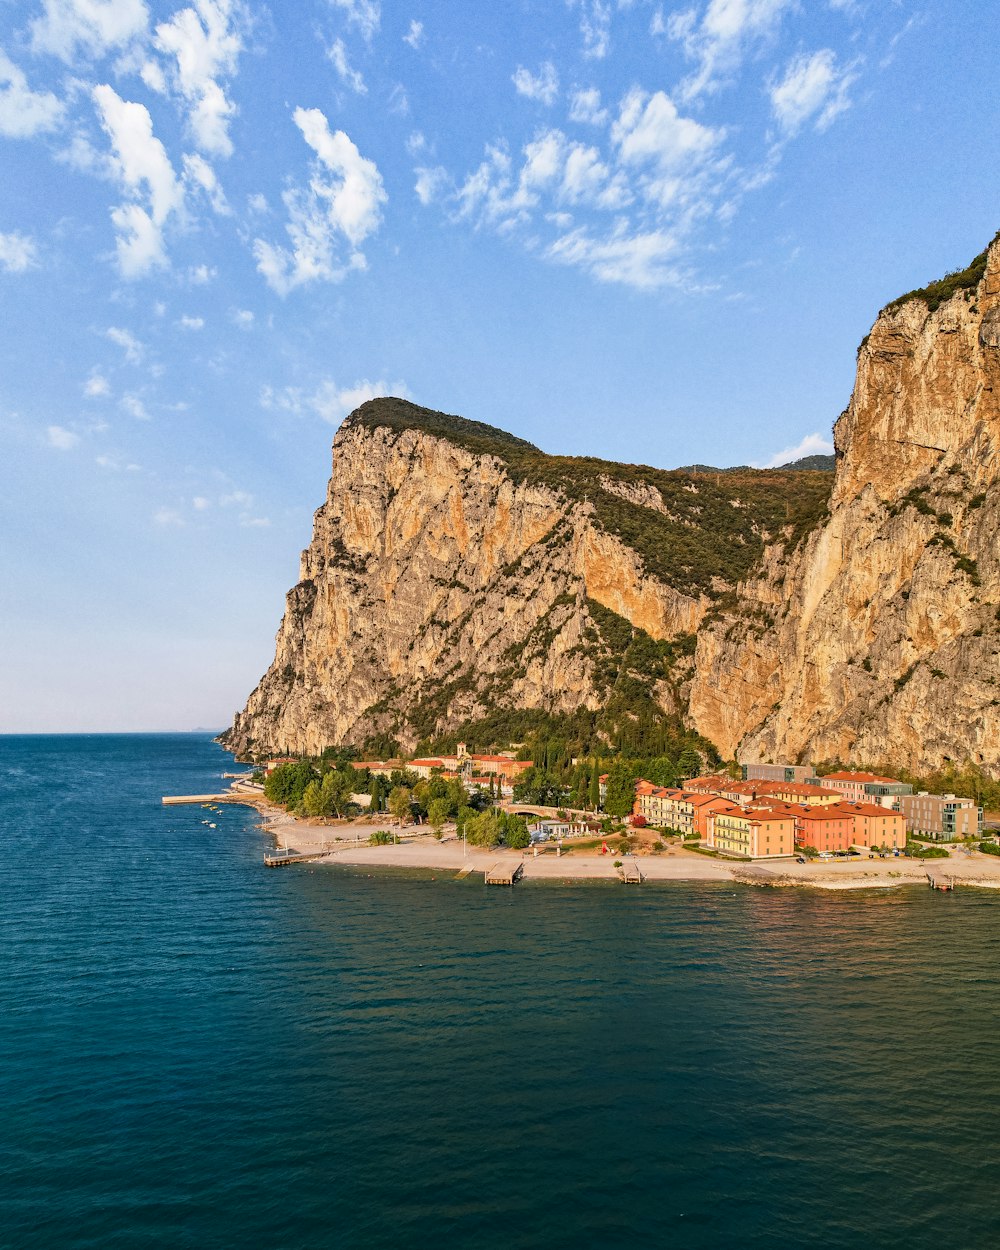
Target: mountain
461 581
825 464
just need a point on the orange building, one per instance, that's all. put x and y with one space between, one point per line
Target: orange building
753 833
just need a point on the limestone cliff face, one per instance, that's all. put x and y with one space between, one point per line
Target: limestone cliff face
885 636
437 588
455 570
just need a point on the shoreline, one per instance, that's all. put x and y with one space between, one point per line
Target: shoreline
423 851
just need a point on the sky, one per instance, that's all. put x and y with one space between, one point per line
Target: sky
647 230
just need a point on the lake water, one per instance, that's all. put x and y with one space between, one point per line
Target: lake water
199 1052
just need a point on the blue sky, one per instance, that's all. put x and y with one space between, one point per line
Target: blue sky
646 230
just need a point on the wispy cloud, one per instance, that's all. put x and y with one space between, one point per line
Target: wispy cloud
595 26
91 27
200 48
146 175
97 386
127 341
415 35
342 205
718 38
23 112
365 15
345 71
60 438
543 86
328 400
813 87
18 252
811 445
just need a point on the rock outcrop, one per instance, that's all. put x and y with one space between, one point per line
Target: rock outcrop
456 571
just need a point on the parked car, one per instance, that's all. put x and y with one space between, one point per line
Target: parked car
800 859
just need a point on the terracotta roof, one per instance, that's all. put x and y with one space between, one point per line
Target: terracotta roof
858 777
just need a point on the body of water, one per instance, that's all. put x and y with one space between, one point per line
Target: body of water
199 1052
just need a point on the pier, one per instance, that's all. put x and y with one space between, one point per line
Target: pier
174 800
505 873
282 859
630 872
940 881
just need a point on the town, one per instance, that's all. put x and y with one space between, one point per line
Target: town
767 812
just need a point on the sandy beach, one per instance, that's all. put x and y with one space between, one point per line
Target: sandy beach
347 843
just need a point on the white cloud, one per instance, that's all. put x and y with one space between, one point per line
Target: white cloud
366 15
199 275
24 112
543 86
585 106
430 183
329 401
813 86
61 438
347 74
167 517
17 252
718 41
200 503
811 445
144 170
200 176
96 386
94 26
595 26
347 206
415 35
236 499
255 522
202 45
643 259
243 318
134 406
650 129
127 341
399 101
191 323
258 204
416 143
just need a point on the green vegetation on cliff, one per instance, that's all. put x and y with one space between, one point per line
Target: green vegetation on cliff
934 294
703 529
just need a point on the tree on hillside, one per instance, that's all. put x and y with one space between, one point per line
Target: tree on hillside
337 790
690 764
620 797
312 800
437 813
287 783
594 793
400 802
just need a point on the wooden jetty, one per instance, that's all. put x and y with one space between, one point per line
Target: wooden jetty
505 873
630 872
280 859
172 800
938 881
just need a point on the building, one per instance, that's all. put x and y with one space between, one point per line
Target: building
754 834
424 768
875 825
602 789
795 792
685 811
940 817
801 773
865 787
278 760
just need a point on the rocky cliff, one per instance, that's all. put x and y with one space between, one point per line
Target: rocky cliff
457 573
886 630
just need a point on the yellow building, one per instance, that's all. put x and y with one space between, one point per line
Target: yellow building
755 834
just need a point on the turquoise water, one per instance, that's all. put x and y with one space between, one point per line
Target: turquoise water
196 1051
